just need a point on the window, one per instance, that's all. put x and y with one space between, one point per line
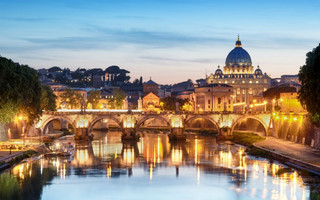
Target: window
250 90
250 81
209 101
219 100
229 101
265 80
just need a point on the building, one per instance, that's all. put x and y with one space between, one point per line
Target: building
289 79
213 97
151 102
238 72
289 103
150 86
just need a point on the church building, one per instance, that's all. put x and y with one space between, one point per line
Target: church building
248 83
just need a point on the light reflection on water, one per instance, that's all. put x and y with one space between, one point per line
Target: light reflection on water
154 168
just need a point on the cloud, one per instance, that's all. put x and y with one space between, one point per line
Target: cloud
106 38
196 60
24 19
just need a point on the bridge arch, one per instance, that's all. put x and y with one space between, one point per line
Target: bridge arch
95 120
50 119
141 121
265 127
190 119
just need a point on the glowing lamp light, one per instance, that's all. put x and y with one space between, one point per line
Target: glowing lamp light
128 124
285 118
294 119
277 117
82 123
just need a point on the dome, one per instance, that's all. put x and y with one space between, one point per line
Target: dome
218 71
258 71
238 56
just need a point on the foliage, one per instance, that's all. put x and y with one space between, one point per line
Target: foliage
254 151
20 92
9 186
246 139
8 111
71 98
315 118
274 92
169 103
117 101
48 99
94 97
309 76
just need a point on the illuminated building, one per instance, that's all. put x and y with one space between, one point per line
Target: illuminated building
213 97
151 101
238 72
289 102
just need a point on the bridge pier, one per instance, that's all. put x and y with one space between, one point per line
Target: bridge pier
83 134
129 134
177 134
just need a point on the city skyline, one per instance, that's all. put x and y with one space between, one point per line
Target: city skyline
159 39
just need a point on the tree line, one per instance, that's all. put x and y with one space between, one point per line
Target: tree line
21 93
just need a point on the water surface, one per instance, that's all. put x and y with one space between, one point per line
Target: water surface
154 168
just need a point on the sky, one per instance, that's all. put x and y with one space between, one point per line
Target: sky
168 40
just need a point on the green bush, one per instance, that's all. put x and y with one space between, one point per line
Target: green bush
254 151
246 139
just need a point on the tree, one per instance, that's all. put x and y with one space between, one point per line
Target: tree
94 97
117 101
274 92
71 98
169 103
20 93
309 76
48 99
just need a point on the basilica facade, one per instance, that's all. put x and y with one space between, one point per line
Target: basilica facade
248 82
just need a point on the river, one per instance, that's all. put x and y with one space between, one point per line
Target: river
153 168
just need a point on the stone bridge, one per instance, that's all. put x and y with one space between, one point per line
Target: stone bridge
130 122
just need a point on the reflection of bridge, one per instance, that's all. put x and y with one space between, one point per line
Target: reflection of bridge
129 123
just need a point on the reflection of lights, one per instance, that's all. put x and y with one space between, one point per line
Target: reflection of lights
198 175
109 170
151 172
176 156
196 151
128 156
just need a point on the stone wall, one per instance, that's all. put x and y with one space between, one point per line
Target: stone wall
3 132
297 129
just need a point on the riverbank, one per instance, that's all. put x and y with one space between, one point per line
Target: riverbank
292 154
8 160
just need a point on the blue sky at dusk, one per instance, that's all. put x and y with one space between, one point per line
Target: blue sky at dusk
170 41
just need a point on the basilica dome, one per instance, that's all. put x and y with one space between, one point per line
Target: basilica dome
238 56
258 71
218 71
